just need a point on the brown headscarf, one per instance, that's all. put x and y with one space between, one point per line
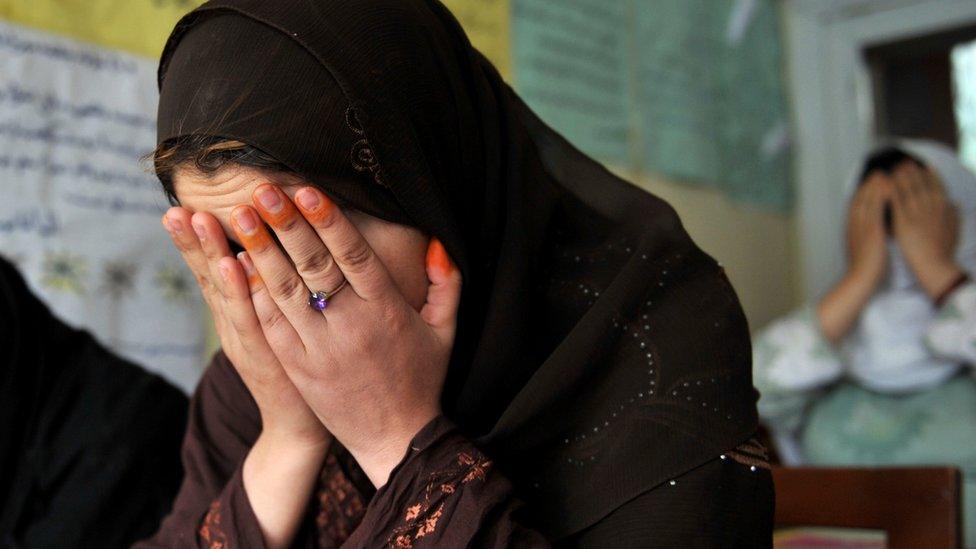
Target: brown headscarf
599 352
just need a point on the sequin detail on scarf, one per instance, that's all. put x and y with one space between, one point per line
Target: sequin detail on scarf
421 518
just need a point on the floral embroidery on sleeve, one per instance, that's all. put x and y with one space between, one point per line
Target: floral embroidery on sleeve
210 532
340 505
421 518
752 453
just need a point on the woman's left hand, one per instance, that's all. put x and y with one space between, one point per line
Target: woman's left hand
369 366
926 226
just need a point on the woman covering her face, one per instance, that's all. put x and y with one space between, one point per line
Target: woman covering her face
879 371
446 327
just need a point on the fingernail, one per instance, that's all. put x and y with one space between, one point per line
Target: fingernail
253 278
308 199
246 221
269 198
246 263
201 232
174 225
437 257
315 205
223 272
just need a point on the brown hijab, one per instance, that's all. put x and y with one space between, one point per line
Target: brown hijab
599 352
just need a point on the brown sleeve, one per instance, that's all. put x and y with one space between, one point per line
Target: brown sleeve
445 493
211 509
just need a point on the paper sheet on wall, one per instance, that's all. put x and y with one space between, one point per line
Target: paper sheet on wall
81 215
690 89
486 22
710 97
571 66
136 26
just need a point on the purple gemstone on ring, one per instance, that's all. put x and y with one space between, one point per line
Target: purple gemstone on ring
318 301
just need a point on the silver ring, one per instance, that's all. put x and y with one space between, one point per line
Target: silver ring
320 300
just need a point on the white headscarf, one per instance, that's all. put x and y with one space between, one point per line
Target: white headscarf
886 350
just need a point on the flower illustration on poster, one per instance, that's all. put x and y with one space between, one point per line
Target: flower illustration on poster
119 278
174 283
64 272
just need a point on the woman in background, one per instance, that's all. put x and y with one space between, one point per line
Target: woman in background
879 372
442 309
89 442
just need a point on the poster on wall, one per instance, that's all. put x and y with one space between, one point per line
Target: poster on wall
572 68
81 214
688 89
710 97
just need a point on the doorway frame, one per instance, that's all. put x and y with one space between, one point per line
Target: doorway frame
832 109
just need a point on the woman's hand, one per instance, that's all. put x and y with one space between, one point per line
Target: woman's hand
281 468
868 255
926 226
224 285
370 366
866 238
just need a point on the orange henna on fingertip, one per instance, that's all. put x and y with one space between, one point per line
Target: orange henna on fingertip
257 238
437 257
314 204
280 213
253 277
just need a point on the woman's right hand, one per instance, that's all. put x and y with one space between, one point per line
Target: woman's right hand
284 414
866 237
868 256
281 467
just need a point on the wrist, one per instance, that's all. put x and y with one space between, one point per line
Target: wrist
839 309
857 287
936 277
863 278
303 443
301 432
380 455
278 477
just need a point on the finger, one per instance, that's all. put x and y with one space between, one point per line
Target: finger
933 181
366 274
213 243
898 200
903 188
874 201
178 222
862 199
256 306
909 171
444 293
237 300
926 193
869 188
281 281
312 259
874 179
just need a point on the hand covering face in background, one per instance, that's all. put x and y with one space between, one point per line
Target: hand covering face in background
886 350
599 353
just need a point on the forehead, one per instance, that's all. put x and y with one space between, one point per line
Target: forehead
220 192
